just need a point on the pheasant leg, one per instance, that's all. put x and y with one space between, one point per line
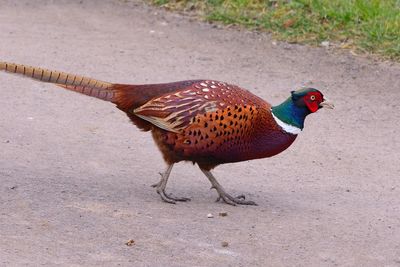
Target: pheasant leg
239 200
160 187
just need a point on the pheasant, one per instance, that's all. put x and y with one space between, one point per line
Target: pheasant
202 121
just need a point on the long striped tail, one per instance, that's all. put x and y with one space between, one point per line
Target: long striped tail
79 84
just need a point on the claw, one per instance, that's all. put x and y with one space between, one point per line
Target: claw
238 200
182 199
241 197
160 182
169 198
165 198
155 185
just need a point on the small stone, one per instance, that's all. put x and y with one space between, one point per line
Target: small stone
223 214
224 244
130 242
210 215
325 43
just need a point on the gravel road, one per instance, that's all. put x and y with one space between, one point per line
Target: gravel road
75 175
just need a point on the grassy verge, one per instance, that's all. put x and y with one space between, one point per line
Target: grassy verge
368 26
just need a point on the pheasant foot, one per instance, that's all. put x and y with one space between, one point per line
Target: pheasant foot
228 199
238 200
160 188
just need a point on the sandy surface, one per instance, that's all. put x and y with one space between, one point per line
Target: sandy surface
75 175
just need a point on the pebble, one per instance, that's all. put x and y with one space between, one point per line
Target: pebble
224 244
210 215
130 242
325 43
223 214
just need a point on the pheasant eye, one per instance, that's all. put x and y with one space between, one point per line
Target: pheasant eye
312 97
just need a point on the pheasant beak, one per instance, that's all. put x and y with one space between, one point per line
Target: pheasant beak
326 104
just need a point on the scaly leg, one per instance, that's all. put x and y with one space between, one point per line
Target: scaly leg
225 196
160 186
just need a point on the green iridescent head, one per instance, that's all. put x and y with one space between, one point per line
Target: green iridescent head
300 104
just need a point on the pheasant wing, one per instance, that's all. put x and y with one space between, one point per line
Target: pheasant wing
175 110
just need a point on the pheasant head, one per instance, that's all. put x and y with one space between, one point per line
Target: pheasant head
292 113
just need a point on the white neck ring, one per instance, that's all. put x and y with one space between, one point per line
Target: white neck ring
285 126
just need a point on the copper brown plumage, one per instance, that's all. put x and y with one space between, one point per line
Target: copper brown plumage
203 121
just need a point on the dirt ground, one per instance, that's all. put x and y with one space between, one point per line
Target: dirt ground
75 175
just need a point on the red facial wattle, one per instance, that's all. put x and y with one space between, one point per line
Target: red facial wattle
312 101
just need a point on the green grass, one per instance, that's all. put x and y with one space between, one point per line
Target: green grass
367 26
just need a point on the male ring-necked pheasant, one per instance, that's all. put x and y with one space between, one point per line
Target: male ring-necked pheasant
203 121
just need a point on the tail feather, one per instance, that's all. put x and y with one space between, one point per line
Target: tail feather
76 83
104 94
